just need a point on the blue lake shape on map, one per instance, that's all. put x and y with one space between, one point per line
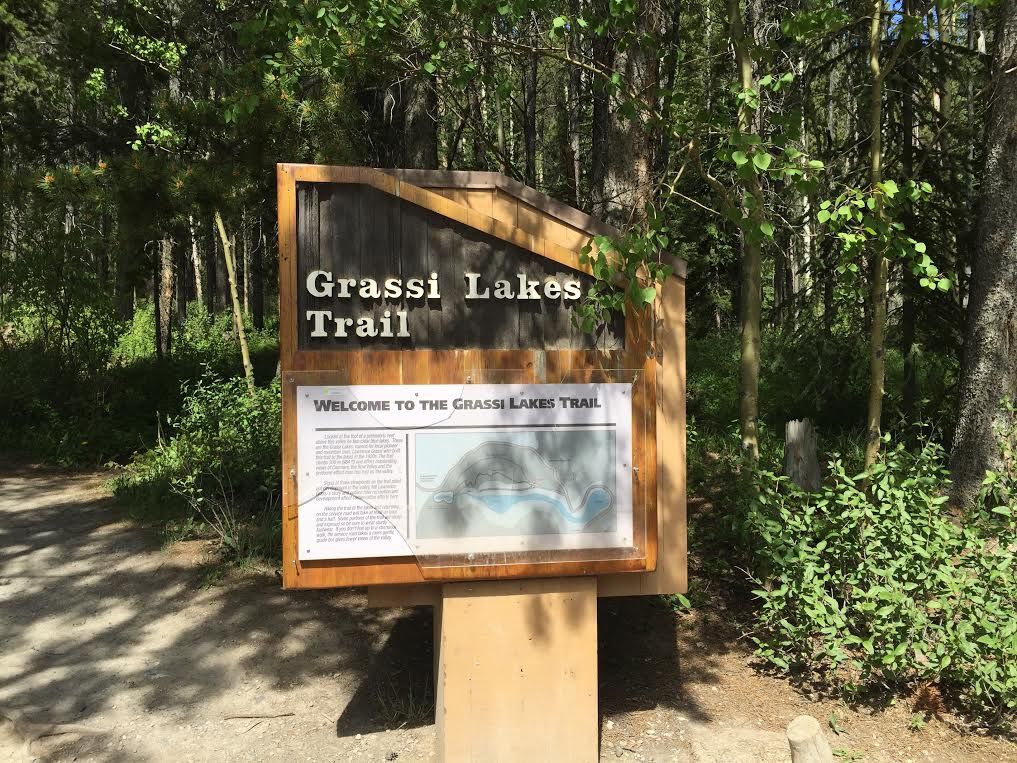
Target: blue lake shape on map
515 483
597 499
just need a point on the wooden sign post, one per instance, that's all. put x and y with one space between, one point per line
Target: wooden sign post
450 437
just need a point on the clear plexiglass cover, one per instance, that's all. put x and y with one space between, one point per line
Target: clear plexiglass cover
492 471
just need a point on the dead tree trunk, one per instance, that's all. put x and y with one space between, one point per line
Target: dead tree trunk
801 454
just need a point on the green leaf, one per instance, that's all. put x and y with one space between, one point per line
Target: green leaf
429 67
644 295
762 160
824 215
889 188
766 227
739 157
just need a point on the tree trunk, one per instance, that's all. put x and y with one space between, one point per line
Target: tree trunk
238 318
164 292
499 114
801 454
197 264
257 274
602 59
880 270
123 282
807 742
420 126
245 244
180 285
530 119
910 392
989 369
750 290
479 128
258 278
628 171
211 271
574 86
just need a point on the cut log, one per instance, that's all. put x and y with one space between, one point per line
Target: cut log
808 744
801 454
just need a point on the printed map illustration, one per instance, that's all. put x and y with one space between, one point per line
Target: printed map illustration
496 483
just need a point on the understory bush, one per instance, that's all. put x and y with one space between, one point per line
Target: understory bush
100 393
872 582
808 373
218 473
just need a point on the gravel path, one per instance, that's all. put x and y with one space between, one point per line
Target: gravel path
102 629
112 649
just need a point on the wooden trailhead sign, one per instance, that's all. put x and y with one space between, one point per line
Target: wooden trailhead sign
451 438
444 417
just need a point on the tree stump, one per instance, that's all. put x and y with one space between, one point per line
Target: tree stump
801 454
808 744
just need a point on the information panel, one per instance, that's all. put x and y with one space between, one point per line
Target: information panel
396 470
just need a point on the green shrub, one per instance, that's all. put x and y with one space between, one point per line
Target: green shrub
811 374
219 471
870 582
100 394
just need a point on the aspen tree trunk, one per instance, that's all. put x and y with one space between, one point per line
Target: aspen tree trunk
479 128
530 119
880 270
196 263
751 271
211 271
258 276
945 32
155 304
238 318
164 297
910 392
603 60
499 121
989 369
245 244
574 86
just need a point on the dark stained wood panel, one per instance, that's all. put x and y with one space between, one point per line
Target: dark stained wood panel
357 231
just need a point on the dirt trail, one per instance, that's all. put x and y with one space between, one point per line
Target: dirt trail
101 628
112 650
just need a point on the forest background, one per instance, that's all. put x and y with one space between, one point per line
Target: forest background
839 176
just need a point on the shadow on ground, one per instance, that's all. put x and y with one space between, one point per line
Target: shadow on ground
90 607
